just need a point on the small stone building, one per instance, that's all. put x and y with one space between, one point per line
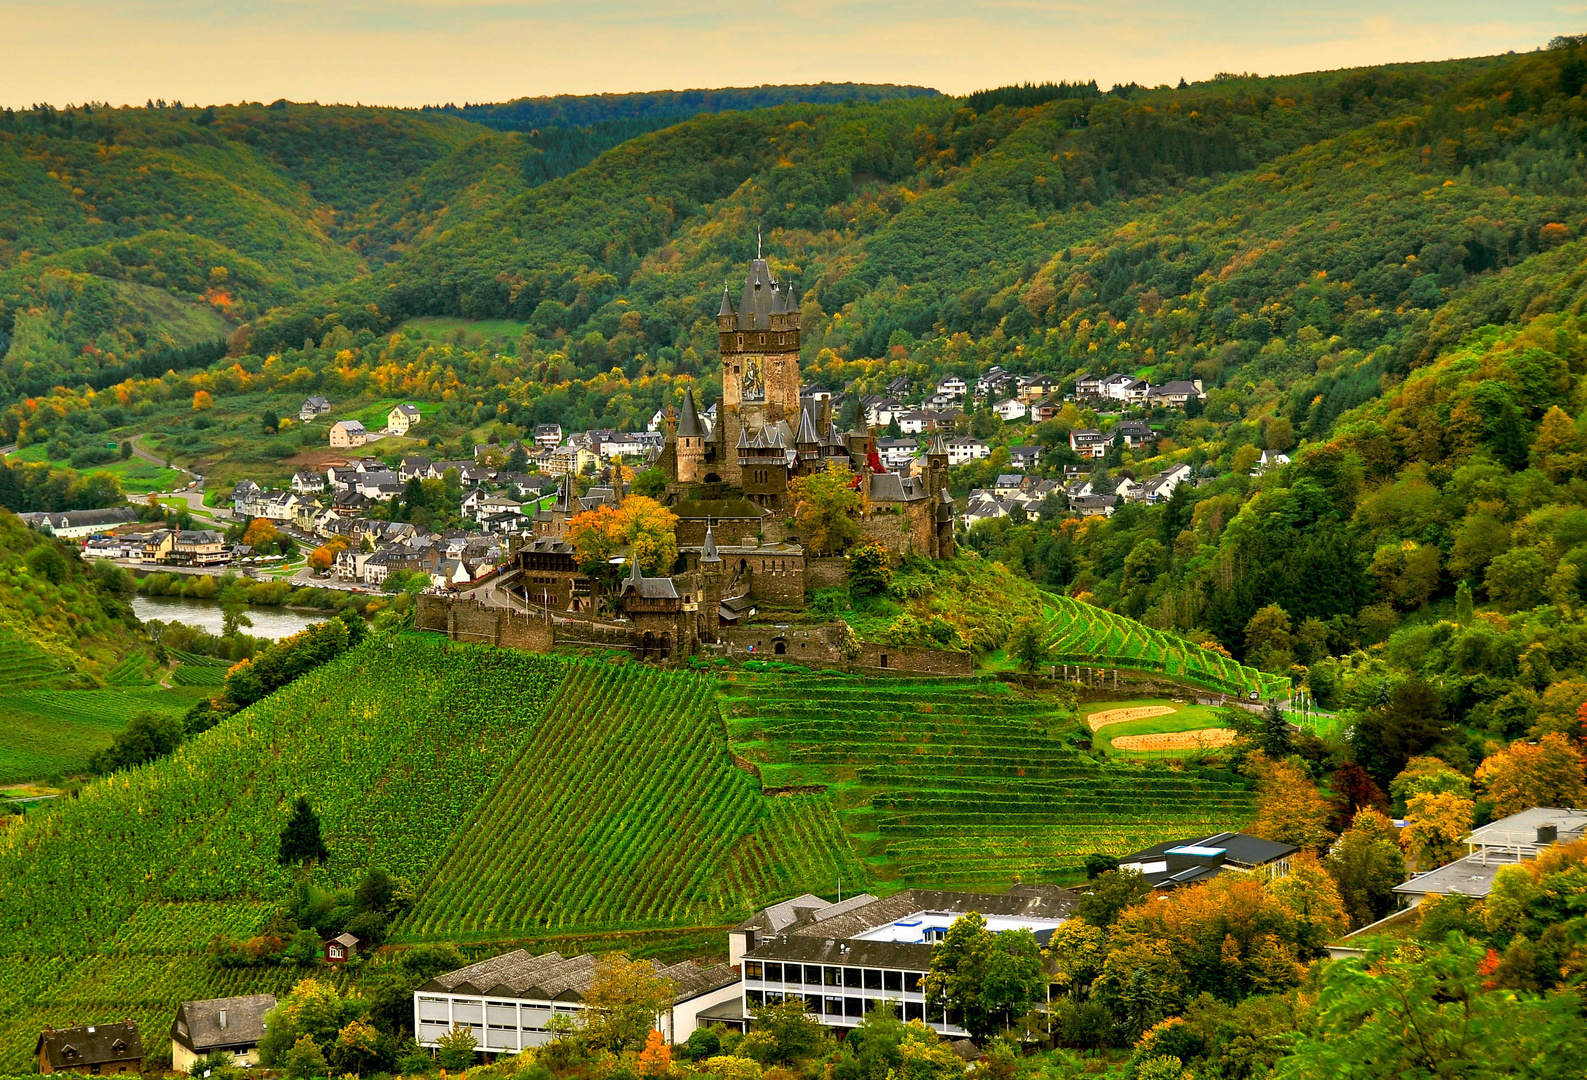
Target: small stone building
231 1025
98 1049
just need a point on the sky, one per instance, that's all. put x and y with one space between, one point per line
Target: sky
416 52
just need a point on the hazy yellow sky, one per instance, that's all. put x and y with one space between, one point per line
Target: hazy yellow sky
414 52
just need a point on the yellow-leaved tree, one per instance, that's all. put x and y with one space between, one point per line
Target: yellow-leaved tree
642 525
1435 823
827 507
1290 809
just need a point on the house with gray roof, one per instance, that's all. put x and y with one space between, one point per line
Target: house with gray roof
232 1025
100 1049
1518 838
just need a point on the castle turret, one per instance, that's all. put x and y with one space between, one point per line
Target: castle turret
691 440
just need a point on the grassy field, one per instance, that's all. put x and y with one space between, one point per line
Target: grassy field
52 733
136 475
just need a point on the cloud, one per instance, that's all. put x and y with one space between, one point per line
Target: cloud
411 52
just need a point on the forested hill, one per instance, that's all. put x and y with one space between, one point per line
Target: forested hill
1185 232
586 110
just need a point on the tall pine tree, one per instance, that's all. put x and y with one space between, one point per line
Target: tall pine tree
301 840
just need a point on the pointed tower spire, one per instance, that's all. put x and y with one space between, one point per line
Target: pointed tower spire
709 554
689 423
726 310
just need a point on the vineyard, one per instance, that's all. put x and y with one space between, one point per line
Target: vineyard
52 733
106 900
1078 633
625 810
961 784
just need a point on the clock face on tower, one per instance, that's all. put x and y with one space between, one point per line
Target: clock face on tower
753 385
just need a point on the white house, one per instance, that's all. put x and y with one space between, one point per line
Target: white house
1010 409
922 420
1160 488
879 412
401 418
312 407
1269 460
1521 837
965 449
1090 443
953 387
897 453
548 436
1024 457
1133 432
508 1002
308 482
73 524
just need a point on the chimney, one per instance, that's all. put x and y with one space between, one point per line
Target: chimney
1547 834
223 1019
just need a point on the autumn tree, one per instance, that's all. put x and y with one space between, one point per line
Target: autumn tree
1289 808
1545 773
870 570
1427 775
643 526
1365 864
656 1058
1435 824
323 557
202 401
622 1004
827 506
260 531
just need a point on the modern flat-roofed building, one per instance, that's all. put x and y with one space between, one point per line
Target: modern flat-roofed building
1189 862
844 959
1506 842
514 1001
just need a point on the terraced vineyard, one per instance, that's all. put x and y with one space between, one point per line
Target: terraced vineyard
23 663
961 783
625 810
51 733
1079 633
197 670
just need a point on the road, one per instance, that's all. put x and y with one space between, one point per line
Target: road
193 496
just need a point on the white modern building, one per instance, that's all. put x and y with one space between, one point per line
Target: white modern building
517 1000
1518 838
844 959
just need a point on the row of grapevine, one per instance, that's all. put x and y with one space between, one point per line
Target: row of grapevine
1083 635
625 810
962 782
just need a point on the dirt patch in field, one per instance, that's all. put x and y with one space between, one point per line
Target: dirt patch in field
319 459
1100 720
1201 739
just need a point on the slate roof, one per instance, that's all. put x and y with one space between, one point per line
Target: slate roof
647 588
90 1044
65 519
552 976
760 300
218 1023
689 421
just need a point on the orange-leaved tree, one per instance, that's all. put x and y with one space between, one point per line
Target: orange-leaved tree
260 531
202 400
642 525
323 557
1545 773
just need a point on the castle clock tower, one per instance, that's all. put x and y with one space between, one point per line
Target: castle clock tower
759 343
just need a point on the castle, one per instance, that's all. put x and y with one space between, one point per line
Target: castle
737 472
730 484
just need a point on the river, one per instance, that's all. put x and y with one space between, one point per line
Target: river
268 622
